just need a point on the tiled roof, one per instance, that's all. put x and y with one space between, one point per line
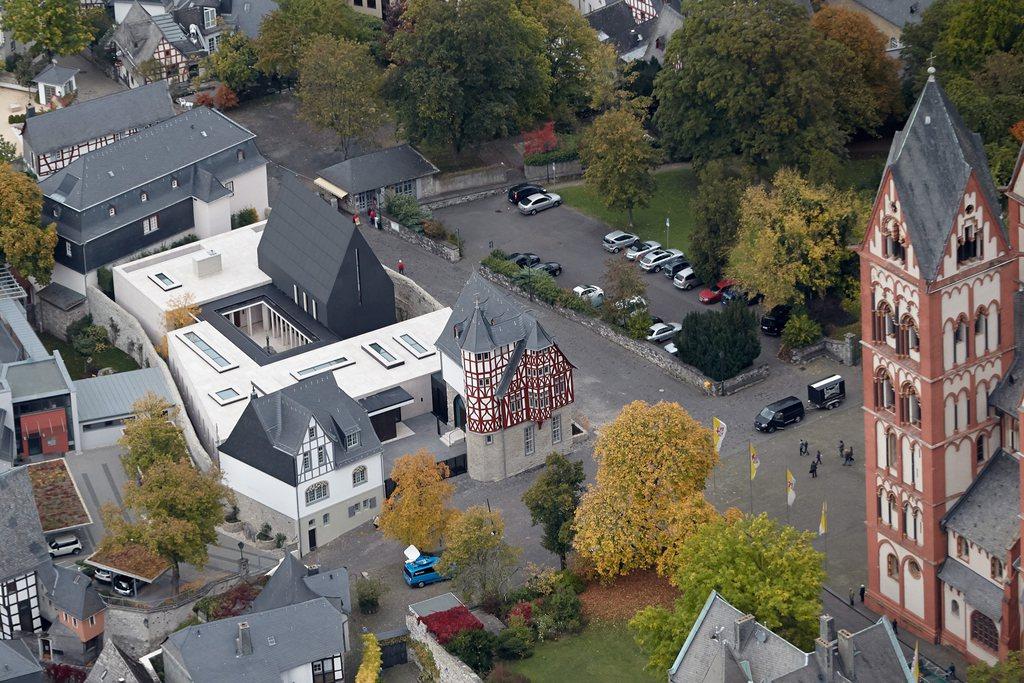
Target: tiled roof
987 513
21 535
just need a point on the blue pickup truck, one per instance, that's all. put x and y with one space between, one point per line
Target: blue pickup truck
420 569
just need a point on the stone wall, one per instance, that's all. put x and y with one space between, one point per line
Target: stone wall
446 250
54 320
463 198
253 514
411 300
559 170
671 365
451 668
461 181
131 339
842 350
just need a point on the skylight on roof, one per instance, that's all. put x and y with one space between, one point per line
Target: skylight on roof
413 345
164 281
382 355
208 353
226 396
333 364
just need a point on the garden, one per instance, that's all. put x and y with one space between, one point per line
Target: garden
89 349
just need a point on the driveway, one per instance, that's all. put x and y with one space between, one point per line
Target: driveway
92 81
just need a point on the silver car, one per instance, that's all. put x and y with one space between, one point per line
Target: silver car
538 202
658 258
590 293
618 240
660 332
640 249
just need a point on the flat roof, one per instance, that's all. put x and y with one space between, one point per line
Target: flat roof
57 496
37 379
111 397
135 561
438 603
359 375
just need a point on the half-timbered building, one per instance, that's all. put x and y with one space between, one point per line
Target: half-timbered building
24 556
142 38
53 140
510 387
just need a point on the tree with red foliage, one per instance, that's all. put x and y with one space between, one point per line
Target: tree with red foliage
523 610
224 98
65 673
204 99
447 624
544 139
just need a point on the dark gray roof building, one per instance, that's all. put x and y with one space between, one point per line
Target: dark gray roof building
1008 394
378 169
21 534
293 582
249 14
71 591
982 594
18 664
987 513
897 12
114 664
271 430
615 24
56 75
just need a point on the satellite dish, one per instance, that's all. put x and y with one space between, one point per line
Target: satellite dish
411 553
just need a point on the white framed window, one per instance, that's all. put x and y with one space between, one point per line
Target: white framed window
207 352
332 364
515 403
529 440
162 280
321 455
312 432
143 196
150 225
214 43
305 301
413 345
230 185
67 248
556 429
295 294
209 17
240 155
383 355
307 462
111 210
226 395
327 519
352 440
174 183
316 492
359 476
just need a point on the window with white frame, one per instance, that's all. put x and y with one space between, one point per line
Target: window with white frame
313 313
209 17
164 281
226 395
332 364
150 225
359 476
352 440
556 429
312 432
321 455
327 519
208 353
413 345
406 187
111 210
143 196
316 492
214 43
174 183
383 355
529 440
307 462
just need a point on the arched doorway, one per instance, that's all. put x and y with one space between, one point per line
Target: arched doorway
459 410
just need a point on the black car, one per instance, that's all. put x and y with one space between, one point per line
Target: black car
552 268
671 269
518 193
773 322
789 410
524 259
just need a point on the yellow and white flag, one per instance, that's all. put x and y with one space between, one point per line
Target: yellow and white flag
790 488
719 428
915 673
755 462
823 524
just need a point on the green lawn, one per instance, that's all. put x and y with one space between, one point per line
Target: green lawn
861 175
111 358
672 198
602 652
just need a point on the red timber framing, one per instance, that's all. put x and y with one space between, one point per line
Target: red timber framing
174 62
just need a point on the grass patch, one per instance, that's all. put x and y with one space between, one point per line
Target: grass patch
110 358
445 158
861 175
673 198
604 651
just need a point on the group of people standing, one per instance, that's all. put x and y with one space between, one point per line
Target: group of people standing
845 452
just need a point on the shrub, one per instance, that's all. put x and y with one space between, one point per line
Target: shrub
232 514
720 344
264 533
280 539
544 139
224 98
368 594
800 331
566 609
434 229
65 673
475 647
16 118
567 150
638 324
538 283
75 328
515 642
449 623
503 674
501 266
522 610
369 667
105 280
245 217
406 210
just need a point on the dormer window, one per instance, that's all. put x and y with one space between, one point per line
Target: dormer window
174 183
111 210
56 212
143 196
240 154
209 17
351 440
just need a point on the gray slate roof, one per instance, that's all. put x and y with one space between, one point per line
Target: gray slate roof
136 36
897 12
385 399
271 430
114 664
18 664
301 633
616 21
111 396
91 119
332 584
438 603
55 75
249 14
931 160
21 534
986 514
378 169
1009 391
71 591
150 154
982 594
291 584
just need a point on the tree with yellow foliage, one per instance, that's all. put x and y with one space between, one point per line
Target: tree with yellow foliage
417 511
182 311
369 667
652 465
27 244
151 436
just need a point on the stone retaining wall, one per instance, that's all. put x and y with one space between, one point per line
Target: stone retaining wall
559 170
671 365
842 350
462 198
459 181
451 668
411 300
446 250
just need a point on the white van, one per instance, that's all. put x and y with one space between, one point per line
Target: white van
65 544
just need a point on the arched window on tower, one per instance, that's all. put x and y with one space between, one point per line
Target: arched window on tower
890 449
908 338
892 566
981 342
979 448
910 405
969 244
884 324
885 392
960 349
894 510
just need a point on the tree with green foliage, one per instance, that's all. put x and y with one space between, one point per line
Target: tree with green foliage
28 244
89 341
465 72
760 566
552 501
234 62
618 161
151 436
53 27
285 32
720 185
476 555
152 70
1010 670
800 331
339 89
8 152
760 88
721 344
793 238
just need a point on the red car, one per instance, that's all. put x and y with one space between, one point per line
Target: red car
713 294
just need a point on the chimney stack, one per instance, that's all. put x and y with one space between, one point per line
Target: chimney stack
847 653
742 628
243 645
825 646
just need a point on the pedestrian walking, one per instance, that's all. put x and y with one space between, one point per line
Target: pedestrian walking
803 447
401 267
814 470
842 448
851 597
817 458
372 213
862 591
849 454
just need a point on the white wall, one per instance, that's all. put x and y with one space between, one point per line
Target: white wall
258 485
956 624
211 218
452 373
69 278
339 484
251 191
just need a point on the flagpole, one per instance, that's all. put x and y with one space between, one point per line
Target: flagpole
750 478
785 476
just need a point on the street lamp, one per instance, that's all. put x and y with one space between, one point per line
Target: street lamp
667 225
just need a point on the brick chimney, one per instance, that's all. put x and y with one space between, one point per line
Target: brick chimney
243 644
742 628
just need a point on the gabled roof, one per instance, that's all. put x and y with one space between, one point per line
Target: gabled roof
282 639
987 513
378 169
21 534
292 583
136 36
897 12
153 153
91 119
72 592
931 161
55 74
982 594
17 663
111 397
114 664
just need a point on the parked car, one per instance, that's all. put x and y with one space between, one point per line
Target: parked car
421 569
777 415
592 294
658 258
519 192
538 202
641 249
828 393
737 294
64 544
617 241
670 269
774 321
713 294
104 575
671 348
552 268
685 279
523 259
660 332
122 585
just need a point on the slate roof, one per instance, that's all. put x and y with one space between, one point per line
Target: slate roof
271 430
332 584
55 74
174 34
1009 391
72 591
618 26
301 634
21 534
249 14
931 160
17 663
138 35
486 319
114 664
982 594
291 584
153 153
897 12
111 396
385 399
438 603
378 169
986 514
92 119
